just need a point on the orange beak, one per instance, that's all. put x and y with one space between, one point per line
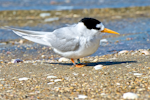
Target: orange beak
109 31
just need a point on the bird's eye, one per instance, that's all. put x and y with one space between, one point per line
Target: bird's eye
98 26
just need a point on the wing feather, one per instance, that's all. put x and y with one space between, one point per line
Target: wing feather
34 36
64 39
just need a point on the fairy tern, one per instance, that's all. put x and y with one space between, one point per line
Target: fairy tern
73 41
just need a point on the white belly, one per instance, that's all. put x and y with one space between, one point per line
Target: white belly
87 47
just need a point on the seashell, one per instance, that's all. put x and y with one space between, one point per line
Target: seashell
51 77
130 95
103 42
138 74
103 94
118 83
57 80
82 96
63 59
97 67
16 61
50 83
45 15
145 52
23 79
75 74
43 56
95 60
123 52
51 19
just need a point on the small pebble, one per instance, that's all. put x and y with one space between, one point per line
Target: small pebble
51 19
22 41
95 60
23 79
118 83
44 14
3 43
2 79
102 94
75 74
103 42
97 67
43 56
130 95
57 80
50 83
137 74
82 96
63 59
51 76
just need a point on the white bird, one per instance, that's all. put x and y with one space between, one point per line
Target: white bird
73 41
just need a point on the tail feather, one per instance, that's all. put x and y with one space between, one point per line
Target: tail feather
34 36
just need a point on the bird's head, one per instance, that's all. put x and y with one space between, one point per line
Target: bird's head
96 25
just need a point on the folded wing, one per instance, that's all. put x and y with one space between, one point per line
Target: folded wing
62 39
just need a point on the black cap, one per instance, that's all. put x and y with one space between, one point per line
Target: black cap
90 23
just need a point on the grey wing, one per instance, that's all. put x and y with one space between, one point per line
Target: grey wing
63 39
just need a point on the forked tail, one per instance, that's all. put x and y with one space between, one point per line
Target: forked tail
34 36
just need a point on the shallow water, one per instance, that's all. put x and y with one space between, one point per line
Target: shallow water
135 34
68 4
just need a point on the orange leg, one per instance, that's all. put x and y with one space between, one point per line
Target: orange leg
77 65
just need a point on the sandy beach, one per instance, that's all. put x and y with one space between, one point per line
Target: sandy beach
30 71
122 72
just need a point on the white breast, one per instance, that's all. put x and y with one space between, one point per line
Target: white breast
87 47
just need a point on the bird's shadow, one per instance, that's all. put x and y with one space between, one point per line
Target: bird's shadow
97 63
